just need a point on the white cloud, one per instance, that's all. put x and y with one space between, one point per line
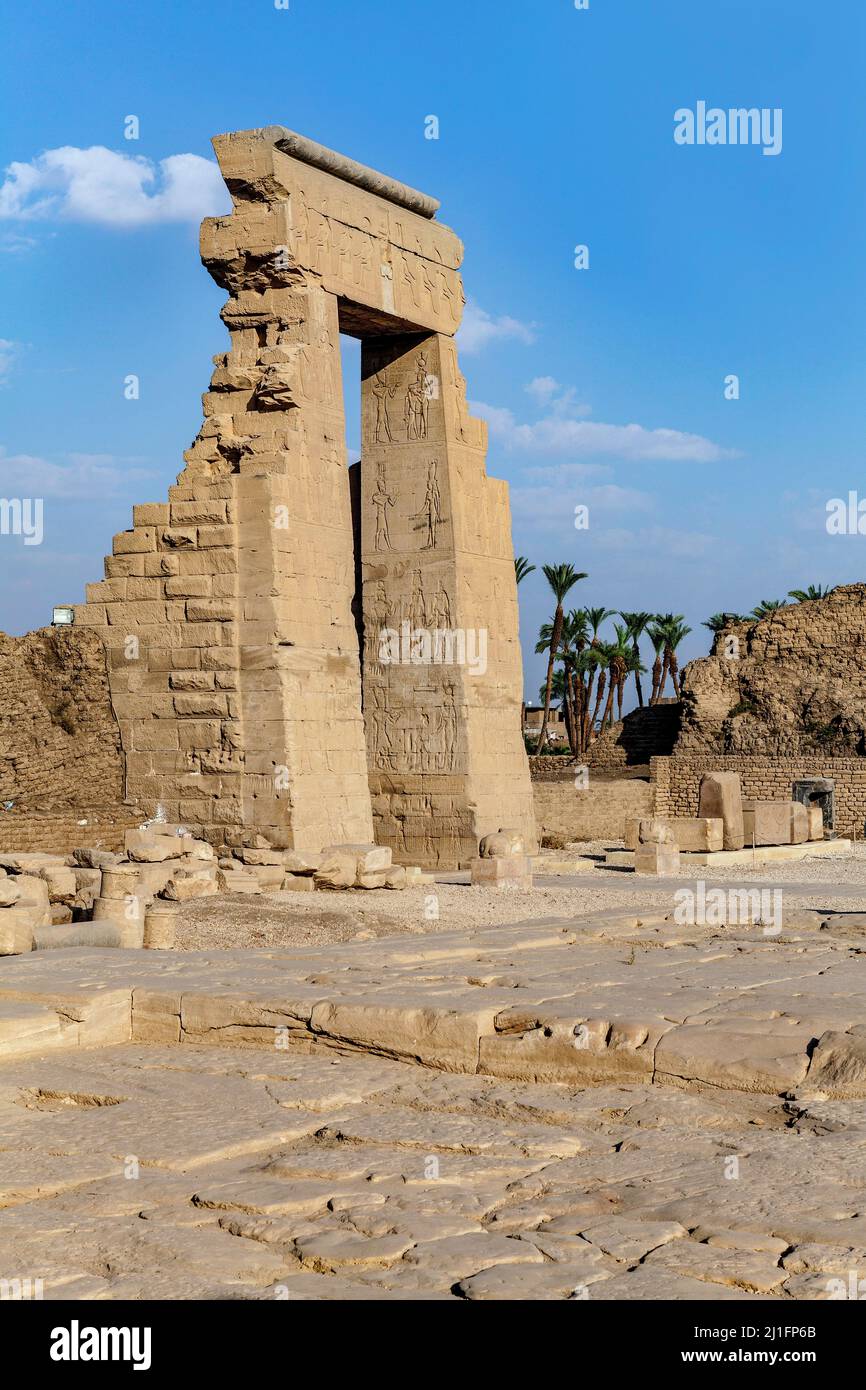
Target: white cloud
8 353
559 433
100 186
14 244
480 328
561 401
82 476
550 507
543 388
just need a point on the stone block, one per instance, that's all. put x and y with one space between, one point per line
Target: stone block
631 838
237 881
799 822
816 822
721 798
95 858
369 859
507 871
62 885
144 847
338 869
694 833
34 892
9 892
371 880
775 823
184 886
17 927
299 883
655 831
657 860
301 861
269 877
259 857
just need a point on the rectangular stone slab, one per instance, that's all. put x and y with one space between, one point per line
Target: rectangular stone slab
721 796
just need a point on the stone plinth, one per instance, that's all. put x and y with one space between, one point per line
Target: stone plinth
657 860
509 871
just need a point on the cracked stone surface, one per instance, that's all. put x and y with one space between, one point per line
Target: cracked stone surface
616 1108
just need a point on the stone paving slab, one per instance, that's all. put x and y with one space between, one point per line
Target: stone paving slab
626 997
195 1172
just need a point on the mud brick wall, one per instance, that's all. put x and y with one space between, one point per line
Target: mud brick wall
564 812
676 782
547 767
59 739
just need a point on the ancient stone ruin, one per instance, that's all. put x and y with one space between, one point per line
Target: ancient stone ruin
281 662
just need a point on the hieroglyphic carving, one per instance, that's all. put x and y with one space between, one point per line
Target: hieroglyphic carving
403 738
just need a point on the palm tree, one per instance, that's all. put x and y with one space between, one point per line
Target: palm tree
657 637
522 567
595 617
635 668
675 630
601 650
618 655
664 622
717 622
637 624
767 606
813 591
574 638
585 665
561 579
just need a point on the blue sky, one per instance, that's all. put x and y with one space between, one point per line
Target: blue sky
556 129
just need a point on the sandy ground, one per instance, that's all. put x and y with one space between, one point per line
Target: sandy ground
295 919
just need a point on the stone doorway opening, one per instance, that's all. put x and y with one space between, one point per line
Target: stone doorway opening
818 791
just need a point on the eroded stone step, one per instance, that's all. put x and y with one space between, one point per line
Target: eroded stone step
26 1028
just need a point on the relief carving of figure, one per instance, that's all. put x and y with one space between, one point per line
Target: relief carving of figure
382 499
447 729
430 514
442 609
416 413
381 393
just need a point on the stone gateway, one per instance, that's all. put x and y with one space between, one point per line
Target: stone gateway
243 616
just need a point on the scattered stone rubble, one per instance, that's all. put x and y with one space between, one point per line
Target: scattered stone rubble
97 898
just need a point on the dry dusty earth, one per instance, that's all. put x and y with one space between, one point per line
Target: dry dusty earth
610 1107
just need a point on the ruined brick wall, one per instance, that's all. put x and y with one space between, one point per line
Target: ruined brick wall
564 812
676 781
59 739
791 685
646 733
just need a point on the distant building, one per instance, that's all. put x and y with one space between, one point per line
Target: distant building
532 719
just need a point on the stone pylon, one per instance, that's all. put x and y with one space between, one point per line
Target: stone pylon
231 612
